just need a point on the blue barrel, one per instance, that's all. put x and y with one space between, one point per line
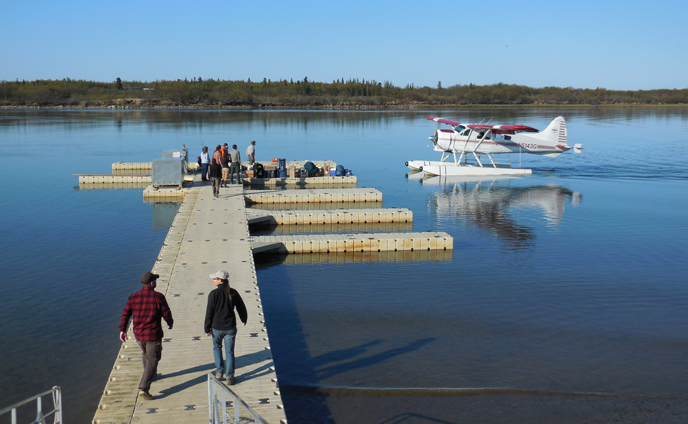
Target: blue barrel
282 166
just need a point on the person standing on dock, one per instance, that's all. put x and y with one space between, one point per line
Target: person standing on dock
235 159
148 308
220 323
225 168
251 152
215 176
205 162
217 154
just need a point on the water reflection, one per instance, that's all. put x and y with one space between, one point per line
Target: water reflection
490 205
164 214
335 119
355 227
269 260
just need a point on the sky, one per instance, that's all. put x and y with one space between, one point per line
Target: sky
617 45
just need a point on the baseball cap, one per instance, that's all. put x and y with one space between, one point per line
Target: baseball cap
149 277
222 275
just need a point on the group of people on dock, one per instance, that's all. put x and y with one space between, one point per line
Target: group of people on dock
221 166
148 308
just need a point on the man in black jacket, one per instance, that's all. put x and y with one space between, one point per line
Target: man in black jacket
220 323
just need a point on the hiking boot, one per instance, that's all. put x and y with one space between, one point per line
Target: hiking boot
231 381
220 375
145 394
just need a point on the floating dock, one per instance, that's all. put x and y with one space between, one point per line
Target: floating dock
213 233
323 195
328 216
130 166
207 234
114 178
373 242
164 194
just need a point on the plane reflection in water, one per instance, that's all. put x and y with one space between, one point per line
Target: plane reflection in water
489 204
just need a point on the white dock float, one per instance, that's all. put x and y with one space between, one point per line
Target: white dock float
373 242
207 234
323 195
112 186
128 166
114 179
345 228
328 216
164 194
312 206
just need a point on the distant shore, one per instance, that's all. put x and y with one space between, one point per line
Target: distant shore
418 106
353 94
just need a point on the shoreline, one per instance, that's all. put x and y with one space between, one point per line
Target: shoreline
345 107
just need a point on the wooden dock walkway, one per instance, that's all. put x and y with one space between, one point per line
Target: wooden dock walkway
207 234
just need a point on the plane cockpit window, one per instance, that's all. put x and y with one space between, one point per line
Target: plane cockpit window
459 128
468 131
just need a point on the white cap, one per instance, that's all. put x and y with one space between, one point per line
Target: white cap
222 275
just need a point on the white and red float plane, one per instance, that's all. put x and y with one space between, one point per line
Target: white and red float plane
483 139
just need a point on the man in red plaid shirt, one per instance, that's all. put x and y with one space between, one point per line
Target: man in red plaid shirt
148 308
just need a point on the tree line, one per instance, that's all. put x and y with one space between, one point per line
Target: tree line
341 93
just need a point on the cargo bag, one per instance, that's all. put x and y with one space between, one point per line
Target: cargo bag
311 168
258 171
340 171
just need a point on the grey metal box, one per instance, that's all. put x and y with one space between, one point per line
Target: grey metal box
168 172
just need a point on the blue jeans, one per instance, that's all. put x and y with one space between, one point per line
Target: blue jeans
220 364
204 171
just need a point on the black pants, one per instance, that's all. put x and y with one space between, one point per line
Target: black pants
151 352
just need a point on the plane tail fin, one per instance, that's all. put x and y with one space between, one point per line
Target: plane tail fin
555 132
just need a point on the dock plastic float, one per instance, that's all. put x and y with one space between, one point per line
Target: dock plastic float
314 195
328 216
128 166
114 179
373 242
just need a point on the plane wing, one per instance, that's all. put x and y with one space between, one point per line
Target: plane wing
506 129
444 121
497 129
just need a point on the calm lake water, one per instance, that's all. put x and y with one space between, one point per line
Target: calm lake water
564 299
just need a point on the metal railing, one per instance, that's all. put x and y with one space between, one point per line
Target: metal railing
218 395
56 393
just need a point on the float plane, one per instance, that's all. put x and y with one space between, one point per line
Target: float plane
471 141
